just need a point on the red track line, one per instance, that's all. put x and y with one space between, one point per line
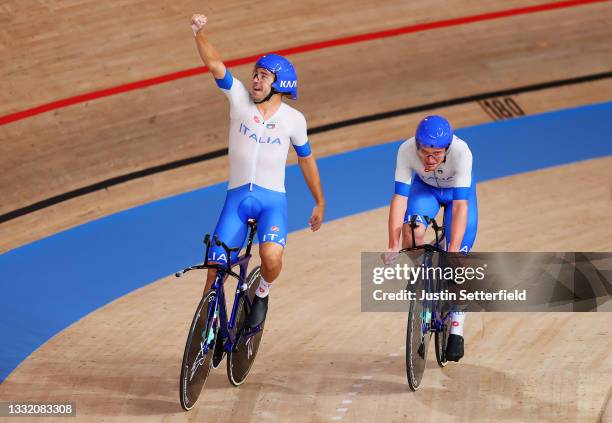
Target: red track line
293 50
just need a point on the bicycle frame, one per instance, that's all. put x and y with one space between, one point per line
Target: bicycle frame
227 329
435 323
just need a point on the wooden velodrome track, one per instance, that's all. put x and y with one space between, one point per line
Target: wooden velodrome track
319 354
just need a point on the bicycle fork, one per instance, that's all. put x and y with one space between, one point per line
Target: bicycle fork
207 339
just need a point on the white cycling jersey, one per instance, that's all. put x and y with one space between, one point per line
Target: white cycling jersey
454 172
258 148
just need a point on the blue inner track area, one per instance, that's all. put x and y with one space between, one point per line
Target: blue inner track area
49 284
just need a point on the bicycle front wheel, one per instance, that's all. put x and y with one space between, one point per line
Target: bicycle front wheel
197 358
417 342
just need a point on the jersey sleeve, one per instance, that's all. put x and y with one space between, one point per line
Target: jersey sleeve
299 136
463 177
235 92
403 170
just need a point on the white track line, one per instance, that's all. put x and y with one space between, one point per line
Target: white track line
347 402
357 386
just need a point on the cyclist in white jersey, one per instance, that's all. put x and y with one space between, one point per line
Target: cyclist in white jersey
434 168
261 129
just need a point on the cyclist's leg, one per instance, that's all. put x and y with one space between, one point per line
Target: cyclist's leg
472 222
230 229
455 347
271 254
272 234
422 201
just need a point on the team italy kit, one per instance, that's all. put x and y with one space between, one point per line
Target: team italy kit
258 151
427 191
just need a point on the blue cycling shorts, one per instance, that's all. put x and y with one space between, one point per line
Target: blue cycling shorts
268 207
425 200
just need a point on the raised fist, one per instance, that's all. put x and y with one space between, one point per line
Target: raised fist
197 23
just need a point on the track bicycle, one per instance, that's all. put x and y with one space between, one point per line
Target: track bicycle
427 316
213 333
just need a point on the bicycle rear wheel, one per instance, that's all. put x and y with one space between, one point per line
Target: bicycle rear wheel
441 340
197 358
417 340
443 332
241 358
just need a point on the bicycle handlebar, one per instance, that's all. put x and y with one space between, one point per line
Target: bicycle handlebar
205 265
427 247
227 249
252 224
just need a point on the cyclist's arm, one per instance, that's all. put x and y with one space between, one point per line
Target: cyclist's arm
399 202
397 211
460 212
309 168
460 200
233 89
210 56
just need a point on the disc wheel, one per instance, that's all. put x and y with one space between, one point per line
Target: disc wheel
199 348
241 358
441 340
417 342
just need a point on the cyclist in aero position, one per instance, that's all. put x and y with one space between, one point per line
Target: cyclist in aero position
434 168
261 129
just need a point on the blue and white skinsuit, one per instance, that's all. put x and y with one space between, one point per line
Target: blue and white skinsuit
427 191
258 151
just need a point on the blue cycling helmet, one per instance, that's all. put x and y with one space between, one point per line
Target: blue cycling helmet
286 77
434 132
